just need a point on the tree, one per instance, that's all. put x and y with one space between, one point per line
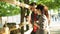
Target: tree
7 9
52 4
23 11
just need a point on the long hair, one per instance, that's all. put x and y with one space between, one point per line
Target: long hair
40 7
44 9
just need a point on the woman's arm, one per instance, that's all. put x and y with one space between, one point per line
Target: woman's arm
36 24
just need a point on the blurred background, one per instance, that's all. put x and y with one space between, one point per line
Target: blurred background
11 13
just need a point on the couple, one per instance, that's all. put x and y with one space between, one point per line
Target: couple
42 18
39 19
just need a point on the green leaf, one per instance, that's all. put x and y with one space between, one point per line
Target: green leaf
7 9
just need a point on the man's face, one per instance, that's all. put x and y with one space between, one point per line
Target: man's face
32 8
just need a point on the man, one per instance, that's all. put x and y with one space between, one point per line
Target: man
34 17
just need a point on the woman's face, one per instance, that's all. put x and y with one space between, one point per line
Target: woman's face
38 11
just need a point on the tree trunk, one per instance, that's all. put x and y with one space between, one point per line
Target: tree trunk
23 10
0 20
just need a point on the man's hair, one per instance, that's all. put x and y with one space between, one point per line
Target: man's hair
32 4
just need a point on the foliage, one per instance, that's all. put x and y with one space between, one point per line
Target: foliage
52 4
7 9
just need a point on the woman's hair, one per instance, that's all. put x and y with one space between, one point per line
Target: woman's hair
44 9
40 7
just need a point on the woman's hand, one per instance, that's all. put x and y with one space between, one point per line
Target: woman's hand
36 25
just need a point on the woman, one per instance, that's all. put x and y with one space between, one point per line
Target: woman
42 22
